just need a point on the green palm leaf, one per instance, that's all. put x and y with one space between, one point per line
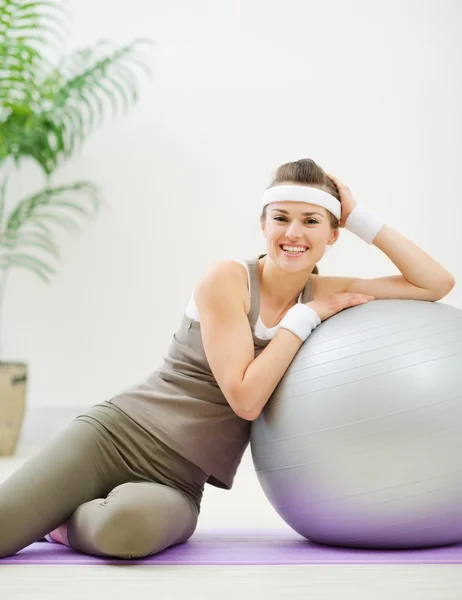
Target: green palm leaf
31 263
34 239
33 223
46 110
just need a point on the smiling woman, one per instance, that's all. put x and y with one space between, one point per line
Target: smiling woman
188 423
295 230
283 216
323 216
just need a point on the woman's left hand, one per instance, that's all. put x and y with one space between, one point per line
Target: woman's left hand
346 199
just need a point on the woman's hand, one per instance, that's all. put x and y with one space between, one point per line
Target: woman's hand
346 199
327 306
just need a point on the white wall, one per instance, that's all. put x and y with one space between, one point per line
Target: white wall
372 91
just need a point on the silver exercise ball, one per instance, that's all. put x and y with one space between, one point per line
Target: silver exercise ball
361 443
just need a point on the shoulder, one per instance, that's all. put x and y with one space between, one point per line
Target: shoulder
223 275
221 269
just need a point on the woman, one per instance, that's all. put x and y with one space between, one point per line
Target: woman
126 478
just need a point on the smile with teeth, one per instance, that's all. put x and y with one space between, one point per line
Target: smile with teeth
293 250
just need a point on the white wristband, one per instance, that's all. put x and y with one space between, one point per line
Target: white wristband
300 320
364 223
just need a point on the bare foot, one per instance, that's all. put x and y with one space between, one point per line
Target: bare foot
60 535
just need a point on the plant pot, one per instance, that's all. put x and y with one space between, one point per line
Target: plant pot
13 379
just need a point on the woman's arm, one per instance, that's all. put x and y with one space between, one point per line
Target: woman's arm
422 277
416 266
246 382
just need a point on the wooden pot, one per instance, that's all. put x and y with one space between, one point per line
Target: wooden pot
13 380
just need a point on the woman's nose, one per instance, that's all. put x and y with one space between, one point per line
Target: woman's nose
294 230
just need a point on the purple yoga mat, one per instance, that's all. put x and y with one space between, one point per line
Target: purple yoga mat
242 547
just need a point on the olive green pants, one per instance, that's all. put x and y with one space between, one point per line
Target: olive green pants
121 492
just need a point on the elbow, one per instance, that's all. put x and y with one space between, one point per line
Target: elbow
242 408
248 414
451 284
444 289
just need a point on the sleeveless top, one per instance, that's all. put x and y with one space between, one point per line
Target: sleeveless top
181 404
260 330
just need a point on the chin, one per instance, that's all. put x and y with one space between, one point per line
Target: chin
293 265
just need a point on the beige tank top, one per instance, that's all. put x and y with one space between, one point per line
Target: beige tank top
182 405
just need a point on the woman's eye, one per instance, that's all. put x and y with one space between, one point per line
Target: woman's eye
282 219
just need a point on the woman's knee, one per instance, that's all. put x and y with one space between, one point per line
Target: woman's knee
119 533
136 520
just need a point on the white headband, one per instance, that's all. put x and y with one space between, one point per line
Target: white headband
302 193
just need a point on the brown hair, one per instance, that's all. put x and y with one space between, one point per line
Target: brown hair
306 172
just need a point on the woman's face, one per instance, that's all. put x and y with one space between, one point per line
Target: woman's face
297 234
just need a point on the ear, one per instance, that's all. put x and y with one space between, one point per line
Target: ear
334 237
263 225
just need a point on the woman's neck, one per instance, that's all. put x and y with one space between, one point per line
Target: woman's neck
278 288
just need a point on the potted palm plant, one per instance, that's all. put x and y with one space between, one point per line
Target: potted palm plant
47 109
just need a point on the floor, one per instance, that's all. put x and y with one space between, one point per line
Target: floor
244 506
